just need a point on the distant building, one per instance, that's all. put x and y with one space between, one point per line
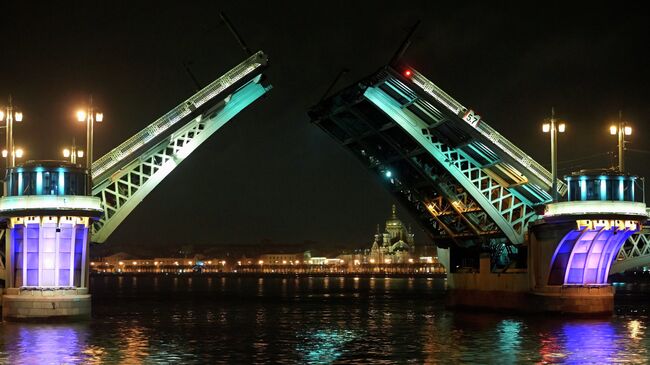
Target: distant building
395 245
285 258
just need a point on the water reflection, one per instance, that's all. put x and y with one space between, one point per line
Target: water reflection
509 339
636 328
273 320
585 342
323 346
135 345
46 344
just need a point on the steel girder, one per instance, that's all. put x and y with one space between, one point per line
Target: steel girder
634 253
448 213
205 98
510 213
130 185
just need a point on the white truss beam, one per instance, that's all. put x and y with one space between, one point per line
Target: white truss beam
113 158
129 186
634 253
509 212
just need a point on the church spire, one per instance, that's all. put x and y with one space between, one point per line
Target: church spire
394 212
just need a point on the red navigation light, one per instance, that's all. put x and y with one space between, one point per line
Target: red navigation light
407 73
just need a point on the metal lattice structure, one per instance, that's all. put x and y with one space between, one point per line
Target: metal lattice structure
634 253
127 174
464 181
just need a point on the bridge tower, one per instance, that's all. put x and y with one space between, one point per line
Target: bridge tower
46 213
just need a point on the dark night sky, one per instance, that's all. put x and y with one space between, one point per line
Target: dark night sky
269 173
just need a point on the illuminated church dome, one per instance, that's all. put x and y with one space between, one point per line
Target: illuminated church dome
396 244
393 220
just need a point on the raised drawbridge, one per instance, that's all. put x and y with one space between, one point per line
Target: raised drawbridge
471 188
124 176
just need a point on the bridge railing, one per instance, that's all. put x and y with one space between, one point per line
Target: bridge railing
488 132
162 124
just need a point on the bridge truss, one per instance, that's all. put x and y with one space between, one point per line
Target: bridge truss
127 174
634 253
466 183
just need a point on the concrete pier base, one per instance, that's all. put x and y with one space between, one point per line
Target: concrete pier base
582 301
512 292
20 304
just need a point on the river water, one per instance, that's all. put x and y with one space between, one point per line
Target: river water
214 320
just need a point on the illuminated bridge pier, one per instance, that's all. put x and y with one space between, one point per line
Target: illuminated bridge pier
46 214
484 202
570 251
581 238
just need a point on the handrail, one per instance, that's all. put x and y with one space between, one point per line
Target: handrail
490 133
163 123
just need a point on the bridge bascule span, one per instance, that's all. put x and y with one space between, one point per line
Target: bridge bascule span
127 174
483 199
464 181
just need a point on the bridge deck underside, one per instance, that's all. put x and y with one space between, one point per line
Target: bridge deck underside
419 181
461 190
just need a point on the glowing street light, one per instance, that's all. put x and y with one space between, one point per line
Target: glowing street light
621 129
89 116
553 126
81 116
72 152
10 115
613 130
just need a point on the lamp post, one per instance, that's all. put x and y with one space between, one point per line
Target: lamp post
553 126
622 129
73 153
10 115
90 116
17 153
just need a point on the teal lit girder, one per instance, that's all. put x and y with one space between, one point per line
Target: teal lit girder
462 179
127 174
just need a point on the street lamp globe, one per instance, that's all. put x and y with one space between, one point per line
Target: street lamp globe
628 130
81 116
613 130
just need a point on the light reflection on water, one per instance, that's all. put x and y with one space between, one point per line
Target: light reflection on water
313 321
